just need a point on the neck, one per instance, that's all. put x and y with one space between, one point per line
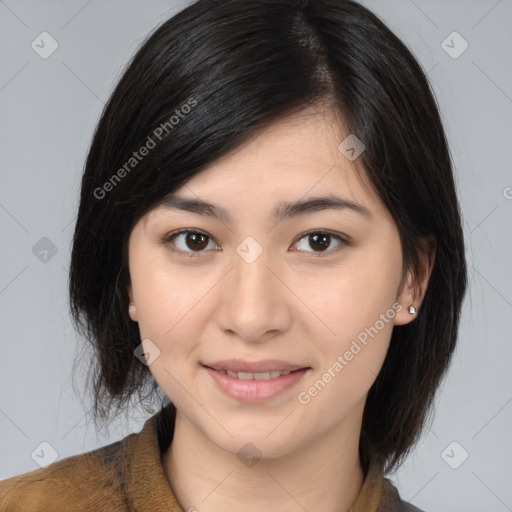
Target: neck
323 475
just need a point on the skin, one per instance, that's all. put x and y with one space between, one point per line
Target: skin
293 303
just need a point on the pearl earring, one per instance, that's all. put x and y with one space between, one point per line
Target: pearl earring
412 309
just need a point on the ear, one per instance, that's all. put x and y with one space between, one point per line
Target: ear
416 282
132 309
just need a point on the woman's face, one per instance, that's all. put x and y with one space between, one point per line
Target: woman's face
310 288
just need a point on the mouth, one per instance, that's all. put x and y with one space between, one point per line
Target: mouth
255 386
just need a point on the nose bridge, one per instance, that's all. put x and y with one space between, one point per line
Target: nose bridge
251 279
252 304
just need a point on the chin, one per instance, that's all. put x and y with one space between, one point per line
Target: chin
257 442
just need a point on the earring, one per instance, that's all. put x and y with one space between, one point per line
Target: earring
412 309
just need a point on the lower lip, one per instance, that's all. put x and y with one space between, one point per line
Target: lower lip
254 391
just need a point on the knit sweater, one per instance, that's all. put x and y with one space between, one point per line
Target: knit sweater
128 476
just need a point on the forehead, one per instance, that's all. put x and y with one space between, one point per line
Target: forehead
292 158
297 143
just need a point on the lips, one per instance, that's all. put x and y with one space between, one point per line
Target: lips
246 388
257 381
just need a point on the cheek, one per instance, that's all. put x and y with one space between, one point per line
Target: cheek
356 305
350 363
353 297
168 310
173 309
163 296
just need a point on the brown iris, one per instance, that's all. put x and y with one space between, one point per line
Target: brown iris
321 240
196 241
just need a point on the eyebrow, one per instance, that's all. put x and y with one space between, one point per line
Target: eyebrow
284 210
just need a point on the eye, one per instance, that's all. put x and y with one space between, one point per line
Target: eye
320 240
193 242
190 241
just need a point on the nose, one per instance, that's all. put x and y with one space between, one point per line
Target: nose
255 303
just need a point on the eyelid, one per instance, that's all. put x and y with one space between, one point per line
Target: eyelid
343 240
170 236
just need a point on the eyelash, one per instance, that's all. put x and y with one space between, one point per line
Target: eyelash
169 238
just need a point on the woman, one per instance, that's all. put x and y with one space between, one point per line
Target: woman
269 235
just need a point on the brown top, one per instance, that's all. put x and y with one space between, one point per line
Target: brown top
128 476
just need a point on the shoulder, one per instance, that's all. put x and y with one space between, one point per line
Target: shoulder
409 507
392 502
78 482
125 475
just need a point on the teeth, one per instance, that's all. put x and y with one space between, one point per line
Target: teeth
255 376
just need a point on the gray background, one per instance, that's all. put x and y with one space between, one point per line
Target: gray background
49 108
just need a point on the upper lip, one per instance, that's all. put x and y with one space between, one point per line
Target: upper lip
266 365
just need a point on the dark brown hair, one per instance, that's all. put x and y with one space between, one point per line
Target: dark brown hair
238 65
